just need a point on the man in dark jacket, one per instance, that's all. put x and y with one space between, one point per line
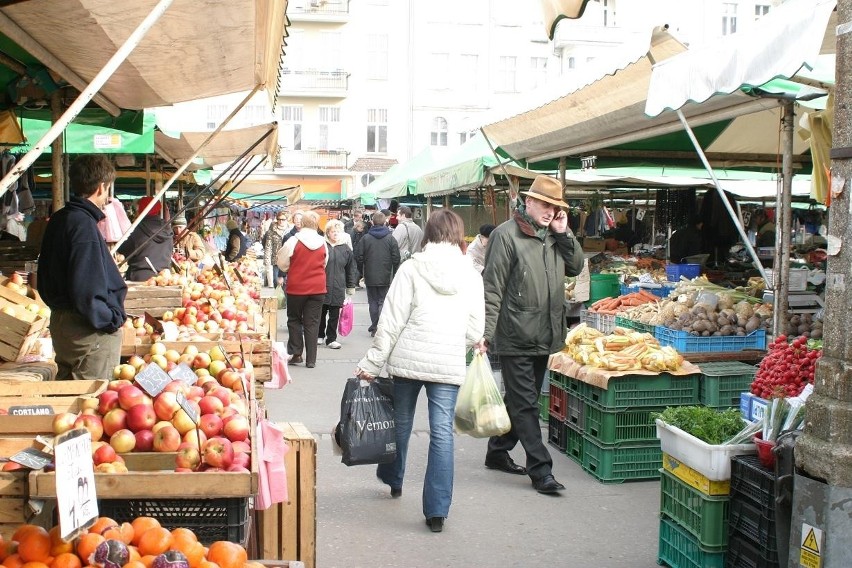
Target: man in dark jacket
148 249
78 278
526 262
237 242
687 241
378 254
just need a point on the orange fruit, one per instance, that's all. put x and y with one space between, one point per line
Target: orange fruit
123 533
86 545
148 561
185 541
57 545
140 525
34 545
102 524
134 564
227 554
66 560
35 565
5 546
155 540
207 564
13 561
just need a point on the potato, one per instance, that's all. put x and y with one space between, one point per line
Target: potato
727 330
752 324
816 333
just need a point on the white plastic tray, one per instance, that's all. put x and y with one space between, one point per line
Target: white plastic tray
714 462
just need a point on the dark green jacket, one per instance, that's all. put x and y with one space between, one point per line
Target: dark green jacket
524 283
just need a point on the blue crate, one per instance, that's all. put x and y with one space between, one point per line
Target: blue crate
675 271
659 292
685 342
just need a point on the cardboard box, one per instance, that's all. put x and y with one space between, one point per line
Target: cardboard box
593 245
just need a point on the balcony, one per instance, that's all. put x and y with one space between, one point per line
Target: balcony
313 83
312 159
332 11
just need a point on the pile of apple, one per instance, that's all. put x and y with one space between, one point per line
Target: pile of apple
124 418
16 284
166 278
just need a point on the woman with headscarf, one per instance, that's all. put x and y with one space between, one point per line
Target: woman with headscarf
341 277
237 242
148 249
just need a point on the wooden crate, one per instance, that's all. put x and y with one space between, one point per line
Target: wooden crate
288 530
20 329
258 351
269 317
14 256
156 300
61 396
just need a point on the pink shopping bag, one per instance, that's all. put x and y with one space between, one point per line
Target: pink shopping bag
347 318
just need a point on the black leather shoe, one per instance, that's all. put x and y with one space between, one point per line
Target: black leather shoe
396 492
295 359
505 464
310 365
547 485
435 523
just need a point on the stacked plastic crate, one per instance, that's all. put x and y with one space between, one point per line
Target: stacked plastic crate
610 432
751 530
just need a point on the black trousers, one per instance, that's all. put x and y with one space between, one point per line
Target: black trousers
523 377
329 319
376 300
303 315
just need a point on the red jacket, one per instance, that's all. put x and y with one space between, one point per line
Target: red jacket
306 275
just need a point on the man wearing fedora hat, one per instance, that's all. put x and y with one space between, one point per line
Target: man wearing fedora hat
526 262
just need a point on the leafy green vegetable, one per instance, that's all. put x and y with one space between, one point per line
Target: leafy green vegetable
705 423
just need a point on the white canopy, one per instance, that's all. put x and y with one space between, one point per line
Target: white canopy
225 147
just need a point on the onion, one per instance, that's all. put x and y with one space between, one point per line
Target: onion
170 559
110 554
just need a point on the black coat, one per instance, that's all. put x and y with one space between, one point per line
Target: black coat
154 240
378 254
340 273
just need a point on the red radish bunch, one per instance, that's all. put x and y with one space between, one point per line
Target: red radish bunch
786 369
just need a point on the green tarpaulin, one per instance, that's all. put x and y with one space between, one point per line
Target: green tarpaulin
88 139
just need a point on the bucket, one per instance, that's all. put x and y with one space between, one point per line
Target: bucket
765 451
603 286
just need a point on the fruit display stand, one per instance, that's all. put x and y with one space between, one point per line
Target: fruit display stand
59 396
288 530
156 300
268 324
23 318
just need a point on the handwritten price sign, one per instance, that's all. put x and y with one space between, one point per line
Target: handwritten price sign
76 500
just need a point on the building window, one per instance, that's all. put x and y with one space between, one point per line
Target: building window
468 70
608 13
571 63
761 10
215 115
538 71
440 63
439 131
465 136
330 51
377 130
507 74
329 120
377 56
729 18
290 137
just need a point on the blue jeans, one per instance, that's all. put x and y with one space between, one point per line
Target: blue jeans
438 484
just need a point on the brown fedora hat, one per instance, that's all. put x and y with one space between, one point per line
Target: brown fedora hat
547 189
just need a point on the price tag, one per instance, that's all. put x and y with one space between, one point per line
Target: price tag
239 276
184 372
188 408
32 458
76 499
156 324
152 379
34 410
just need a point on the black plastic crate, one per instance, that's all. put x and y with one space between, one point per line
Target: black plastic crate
210 519
743 554
556 433
746 520
750 479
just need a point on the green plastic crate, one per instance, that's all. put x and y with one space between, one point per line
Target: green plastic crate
574 444
634 325
721 383
543 406
615 464
679 549
704 516
618 426
631 391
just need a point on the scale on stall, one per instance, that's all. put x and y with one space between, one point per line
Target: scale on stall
798 302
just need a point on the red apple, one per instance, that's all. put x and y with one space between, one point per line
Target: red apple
195 393
218 452
222 394
195 437
237 428
242 446
182 422
115 420
229 378
63 422
92 423
236 468
236 361
176 386
141 417
123 441
201 361
188 456
217 367
104 454
242 459
117 385
210 404
211 424
137 362
130 396
107 400
144 440
166 439
166 405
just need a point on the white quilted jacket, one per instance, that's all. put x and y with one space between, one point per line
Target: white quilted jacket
434 310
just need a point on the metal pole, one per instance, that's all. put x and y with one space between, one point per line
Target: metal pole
722 195
86 95
182 168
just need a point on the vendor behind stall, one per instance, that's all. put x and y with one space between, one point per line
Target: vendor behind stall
765 228
148 249
687 241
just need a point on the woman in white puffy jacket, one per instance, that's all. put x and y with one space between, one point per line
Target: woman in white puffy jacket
434 311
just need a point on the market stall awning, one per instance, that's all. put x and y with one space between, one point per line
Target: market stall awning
401 178
555 10
227 146
87 139
197 49
271 187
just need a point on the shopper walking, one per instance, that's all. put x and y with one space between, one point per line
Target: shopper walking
341 277
434 311
407 234
378 254
303 257
78 278
526 263
477 247
272 241
148 249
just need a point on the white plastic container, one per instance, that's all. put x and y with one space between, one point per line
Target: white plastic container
798 281
714 462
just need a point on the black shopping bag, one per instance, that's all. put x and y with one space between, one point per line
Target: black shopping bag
366 432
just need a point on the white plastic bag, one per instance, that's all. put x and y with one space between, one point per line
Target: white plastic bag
480 411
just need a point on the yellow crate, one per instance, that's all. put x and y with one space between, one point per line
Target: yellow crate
694 478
